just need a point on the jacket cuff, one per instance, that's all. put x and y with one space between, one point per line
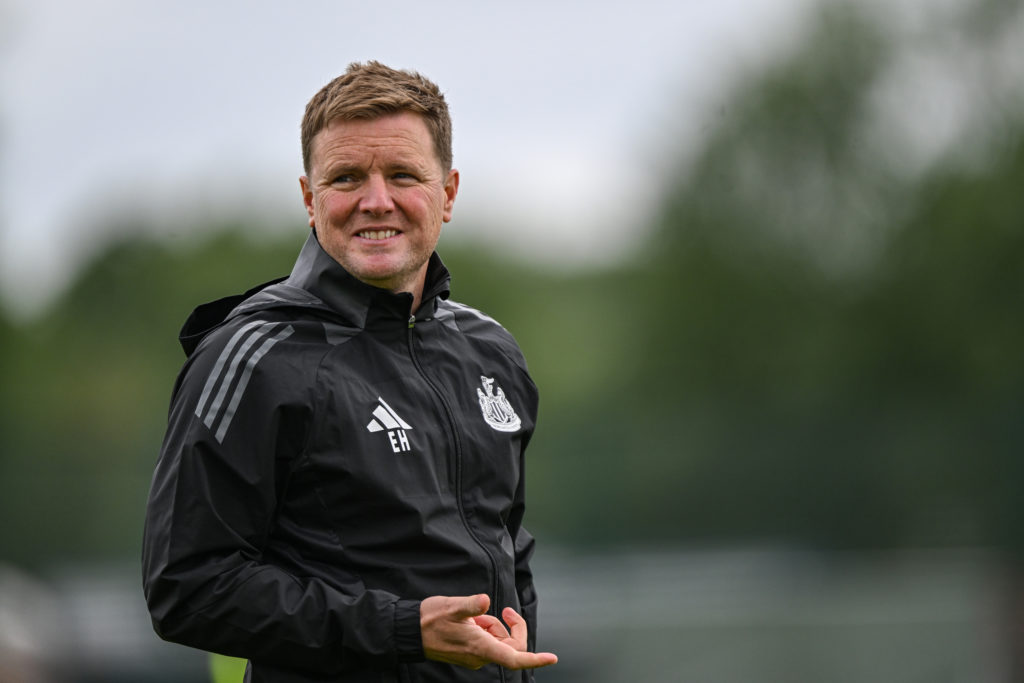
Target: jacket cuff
408 638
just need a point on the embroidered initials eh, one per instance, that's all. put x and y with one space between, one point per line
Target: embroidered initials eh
386 419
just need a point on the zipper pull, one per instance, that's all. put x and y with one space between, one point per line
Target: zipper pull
412 321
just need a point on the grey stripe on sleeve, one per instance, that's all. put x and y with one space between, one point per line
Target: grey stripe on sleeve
246 375
260 332
211 382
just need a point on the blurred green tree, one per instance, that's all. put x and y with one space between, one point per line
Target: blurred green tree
824 351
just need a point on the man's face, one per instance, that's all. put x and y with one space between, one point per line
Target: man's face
377 195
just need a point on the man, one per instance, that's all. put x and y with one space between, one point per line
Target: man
339 496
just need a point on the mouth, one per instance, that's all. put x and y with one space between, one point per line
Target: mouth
377 235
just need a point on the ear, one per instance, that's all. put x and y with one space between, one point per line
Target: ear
307 198
451 188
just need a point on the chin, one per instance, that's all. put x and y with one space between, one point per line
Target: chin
377 278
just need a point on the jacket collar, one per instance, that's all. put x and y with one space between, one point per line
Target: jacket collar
317 272
318 281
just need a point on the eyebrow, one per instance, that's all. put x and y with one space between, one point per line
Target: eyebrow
343 164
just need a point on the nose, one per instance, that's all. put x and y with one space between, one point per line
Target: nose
376 197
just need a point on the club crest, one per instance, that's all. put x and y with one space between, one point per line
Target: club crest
497 410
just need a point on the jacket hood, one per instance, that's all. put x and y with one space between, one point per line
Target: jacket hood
318 281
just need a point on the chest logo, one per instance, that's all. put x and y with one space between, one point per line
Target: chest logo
497 410
385 419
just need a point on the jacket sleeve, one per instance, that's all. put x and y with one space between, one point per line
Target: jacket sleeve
523 541
237 420
524 546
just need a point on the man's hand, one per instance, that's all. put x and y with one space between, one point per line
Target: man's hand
458 630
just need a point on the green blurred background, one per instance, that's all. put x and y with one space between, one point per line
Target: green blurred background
816 354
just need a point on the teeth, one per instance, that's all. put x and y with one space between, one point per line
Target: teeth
378 234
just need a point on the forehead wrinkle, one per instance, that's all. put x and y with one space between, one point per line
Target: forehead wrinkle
357 151
344 142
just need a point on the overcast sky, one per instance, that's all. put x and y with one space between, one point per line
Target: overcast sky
562 110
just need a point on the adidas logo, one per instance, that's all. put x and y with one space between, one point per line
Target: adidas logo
386 419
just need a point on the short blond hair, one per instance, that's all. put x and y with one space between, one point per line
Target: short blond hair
370 90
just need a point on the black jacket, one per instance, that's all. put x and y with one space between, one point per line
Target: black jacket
329 462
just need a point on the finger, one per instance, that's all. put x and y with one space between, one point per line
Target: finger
510 658
469 606
503 651
518 628
492 625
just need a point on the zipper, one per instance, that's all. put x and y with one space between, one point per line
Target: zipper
457 445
